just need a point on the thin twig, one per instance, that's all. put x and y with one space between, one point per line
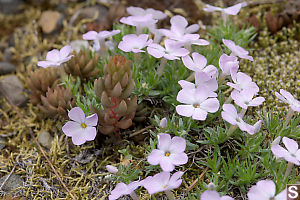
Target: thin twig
38 144
197 180
6 179
140 131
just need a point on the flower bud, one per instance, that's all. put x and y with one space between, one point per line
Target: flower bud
112 169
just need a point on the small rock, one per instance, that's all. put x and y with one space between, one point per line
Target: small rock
10 6
13 182
7 54
12 88
50 21
2 143
45 139
6 68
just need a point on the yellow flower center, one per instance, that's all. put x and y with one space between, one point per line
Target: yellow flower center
83 125
167 154
165 186
196 106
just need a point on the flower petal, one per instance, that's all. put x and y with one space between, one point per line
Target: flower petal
199 114
91 35
164 141
186 96
279 151
233 10
72 128
179 158
76 114
155 157
89 133
210 195
185 110
65 51
192 28
290 144
78 139
178 24
53 55
210 105
92 120
166 164
178 145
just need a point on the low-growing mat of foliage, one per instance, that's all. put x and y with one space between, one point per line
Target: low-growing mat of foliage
131 120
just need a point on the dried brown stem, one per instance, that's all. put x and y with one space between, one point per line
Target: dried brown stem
140 131
38 144
197 180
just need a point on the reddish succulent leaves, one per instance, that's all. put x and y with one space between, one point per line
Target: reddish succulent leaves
114 91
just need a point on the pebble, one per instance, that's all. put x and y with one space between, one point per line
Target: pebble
13 182
50 21
45 139
12 88
6 68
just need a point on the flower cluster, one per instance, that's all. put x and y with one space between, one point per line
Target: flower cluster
197 99
170 153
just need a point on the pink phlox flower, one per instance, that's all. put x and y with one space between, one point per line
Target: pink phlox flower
111 169
265 190
213 195
81 129
228 64
237 50
230 115
179 28
93 35
56 57
171 51
245 98
134 43
162 181
139 22
198 102
198 64
163 123
137 11
290 154
242 81
232 10
286 97
99 38
201 79
170 152
123 189
180 31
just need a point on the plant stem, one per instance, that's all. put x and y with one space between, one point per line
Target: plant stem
228 101
191 77
103 48
170 195
242 113
136 57
224 17
288 117
134 196
221 79
138 30
288 169
231 130
161 67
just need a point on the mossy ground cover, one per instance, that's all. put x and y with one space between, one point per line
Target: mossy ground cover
233 164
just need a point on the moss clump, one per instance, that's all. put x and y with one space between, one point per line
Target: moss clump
276 64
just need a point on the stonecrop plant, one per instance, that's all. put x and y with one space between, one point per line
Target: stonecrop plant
210 104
